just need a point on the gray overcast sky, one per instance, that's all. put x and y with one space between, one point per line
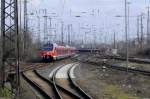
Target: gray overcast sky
98 12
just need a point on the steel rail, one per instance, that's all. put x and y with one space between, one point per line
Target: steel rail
143 72
74 95
51 82
76 86
54 83
37 87
131 70
131 59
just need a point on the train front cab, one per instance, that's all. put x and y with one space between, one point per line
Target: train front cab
47 58
47 53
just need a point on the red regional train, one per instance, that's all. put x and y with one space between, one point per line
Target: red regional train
55 52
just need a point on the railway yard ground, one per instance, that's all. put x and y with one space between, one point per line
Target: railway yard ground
97 81
75 49
113 84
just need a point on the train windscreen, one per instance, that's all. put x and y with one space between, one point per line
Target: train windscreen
47 48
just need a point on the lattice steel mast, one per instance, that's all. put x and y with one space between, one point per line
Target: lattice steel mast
10 54
25 28
45 26
148 26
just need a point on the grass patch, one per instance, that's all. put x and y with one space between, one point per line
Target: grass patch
137 65
147 81
114 92
5 93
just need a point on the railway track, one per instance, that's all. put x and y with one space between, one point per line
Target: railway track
127 69
33 66
69 84
76 86
52 88
44 88
117 67
28 67
137 60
